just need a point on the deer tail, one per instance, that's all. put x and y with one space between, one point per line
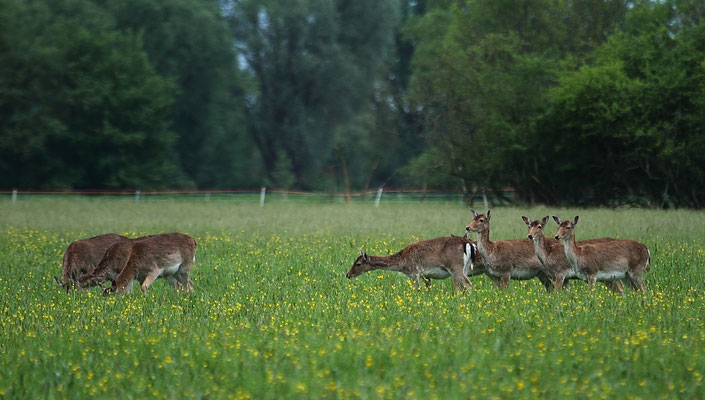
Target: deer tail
647 267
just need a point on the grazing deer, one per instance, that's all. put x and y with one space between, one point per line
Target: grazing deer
506 259
551 254
438 258
169 255
604 261
82 256
112 263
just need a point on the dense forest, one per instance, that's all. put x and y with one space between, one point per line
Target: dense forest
587 102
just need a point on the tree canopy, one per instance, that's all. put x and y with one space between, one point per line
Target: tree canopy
567 102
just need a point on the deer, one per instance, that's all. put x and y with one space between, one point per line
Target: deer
551 254
506 259
82 256
112 263
604 261
437 258
168 255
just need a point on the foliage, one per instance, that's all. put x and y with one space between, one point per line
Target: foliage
568 102
80 106
565 101
629 123
189 42
273 315
313 63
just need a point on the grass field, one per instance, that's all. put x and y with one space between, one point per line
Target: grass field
274 317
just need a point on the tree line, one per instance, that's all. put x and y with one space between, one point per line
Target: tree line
569 102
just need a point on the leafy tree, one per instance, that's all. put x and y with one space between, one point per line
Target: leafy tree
628 126
189 43
314 64
79 106
481 75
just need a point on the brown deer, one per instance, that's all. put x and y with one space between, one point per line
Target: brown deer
604 261
112 263
438 258
169 255
82 256
506 259
551 254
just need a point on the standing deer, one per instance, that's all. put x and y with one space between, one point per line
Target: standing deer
551 254
506 259
82 256
438 258
112 263
169 255
604 261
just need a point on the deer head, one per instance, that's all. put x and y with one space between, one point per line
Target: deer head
565 228
360 266
536 228
479 223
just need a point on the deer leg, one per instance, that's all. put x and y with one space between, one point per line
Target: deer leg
545 280
129 286
504 280
559 282
619 286
186 281
151 277
460 279
637 281
614 286
174 283
591 282
426 281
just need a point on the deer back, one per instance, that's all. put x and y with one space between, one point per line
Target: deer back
84 255
157 251
612 255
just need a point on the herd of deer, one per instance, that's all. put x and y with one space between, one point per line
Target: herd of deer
121 260
554 261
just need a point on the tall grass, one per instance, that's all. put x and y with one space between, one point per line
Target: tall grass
273 315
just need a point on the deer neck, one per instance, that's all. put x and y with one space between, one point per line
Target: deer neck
541 248
484 245
571 251
389 263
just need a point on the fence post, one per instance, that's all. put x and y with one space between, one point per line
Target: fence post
14 195
379 196
484 199
208 196
261 196
137 195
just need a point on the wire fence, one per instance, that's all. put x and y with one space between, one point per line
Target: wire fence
266 195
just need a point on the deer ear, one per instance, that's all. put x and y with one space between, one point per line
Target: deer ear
558 220
526 220
544 220
488 214
575 221
474 214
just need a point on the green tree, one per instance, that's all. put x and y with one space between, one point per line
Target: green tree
314 64
481 72
628 127
79 106
189 42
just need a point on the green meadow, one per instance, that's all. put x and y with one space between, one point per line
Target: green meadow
273 316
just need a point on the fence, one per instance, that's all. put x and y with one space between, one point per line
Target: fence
265 195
